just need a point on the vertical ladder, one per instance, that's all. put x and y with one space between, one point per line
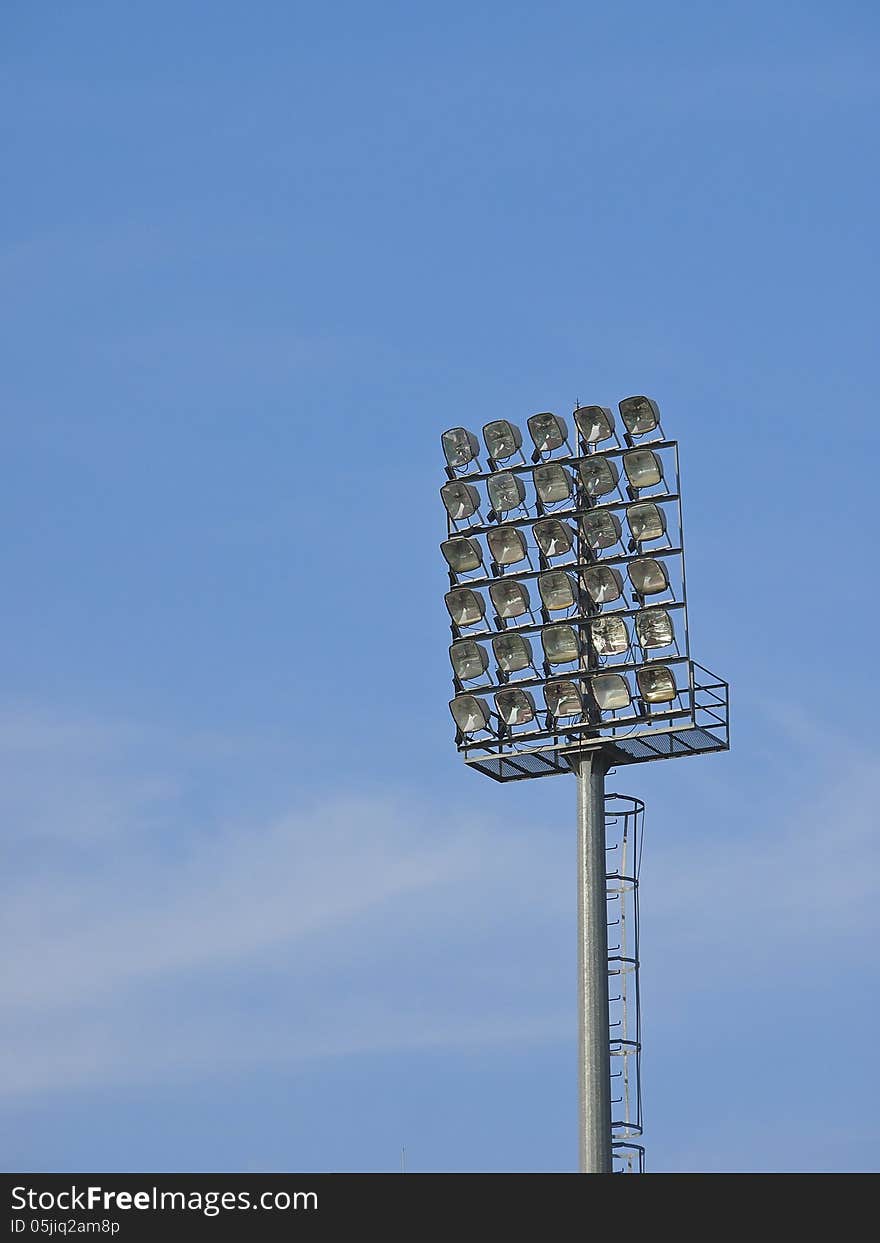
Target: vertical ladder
624 825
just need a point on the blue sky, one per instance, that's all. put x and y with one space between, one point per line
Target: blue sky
257 913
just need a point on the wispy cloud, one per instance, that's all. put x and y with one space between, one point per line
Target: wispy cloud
144 942
142 952
775 871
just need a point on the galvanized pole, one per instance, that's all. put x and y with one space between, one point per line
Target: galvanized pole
594 1058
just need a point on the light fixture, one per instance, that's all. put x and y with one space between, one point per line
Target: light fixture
469 659
461 499
552 482
507 545
563 699
599 475
656 684
511 599
595 423
648 576
470 713
610 691
515 706
502 438
643 468
600 529
462 553
554 538
460 446
560 644
654 628
557 590
604 584
646 521
466 606
548 431
506 492
640 415
610 635
512 652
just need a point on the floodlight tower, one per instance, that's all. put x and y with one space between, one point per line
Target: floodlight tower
581 551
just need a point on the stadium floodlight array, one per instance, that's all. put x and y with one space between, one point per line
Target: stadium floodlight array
570 645
580 554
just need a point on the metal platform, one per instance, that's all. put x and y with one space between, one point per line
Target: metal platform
702 727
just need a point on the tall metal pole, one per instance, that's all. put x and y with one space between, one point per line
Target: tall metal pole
594 1058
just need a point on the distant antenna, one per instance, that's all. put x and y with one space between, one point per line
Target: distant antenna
403 1160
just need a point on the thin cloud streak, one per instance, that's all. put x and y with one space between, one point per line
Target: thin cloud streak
354 925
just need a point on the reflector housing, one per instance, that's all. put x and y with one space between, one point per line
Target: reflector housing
462 553
469 659
610 635
548 431
563 699
515 706
552 482
600 529
611 691
506 492
507 545
502 438
466 606
557 590
656 684
460 446
469 712
654 628
560 644
511 599
599 475
603 583
512 652
643 468
648 576
554 538
640 415
461 499
595 423
646 521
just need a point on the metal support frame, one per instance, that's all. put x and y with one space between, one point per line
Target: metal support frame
594 1057
690 720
